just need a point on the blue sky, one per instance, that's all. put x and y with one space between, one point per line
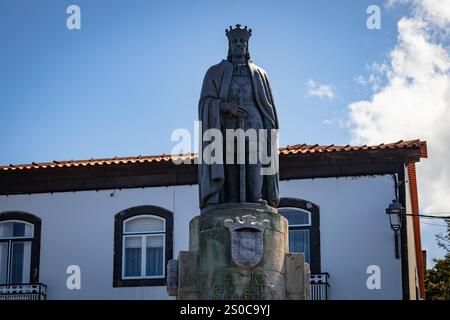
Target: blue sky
133 73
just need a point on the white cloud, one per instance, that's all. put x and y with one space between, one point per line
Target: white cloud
320 90
414 101
341 123
374 81
390 3
437 11
380 68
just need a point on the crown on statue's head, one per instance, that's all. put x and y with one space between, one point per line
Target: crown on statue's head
238 32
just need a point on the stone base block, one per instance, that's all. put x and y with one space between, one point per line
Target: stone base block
239 252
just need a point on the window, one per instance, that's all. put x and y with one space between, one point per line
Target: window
143 246
304 229
19 248
299 230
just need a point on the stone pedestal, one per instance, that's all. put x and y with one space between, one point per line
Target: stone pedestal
238 252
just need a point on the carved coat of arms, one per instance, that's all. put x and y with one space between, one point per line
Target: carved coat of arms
247 245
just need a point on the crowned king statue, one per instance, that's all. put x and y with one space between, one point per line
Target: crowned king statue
236 94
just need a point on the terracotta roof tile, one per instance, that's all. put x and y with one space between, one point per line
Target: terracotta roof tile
294 149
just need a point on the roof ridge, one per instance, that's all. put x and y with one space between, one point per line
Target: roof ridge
290 149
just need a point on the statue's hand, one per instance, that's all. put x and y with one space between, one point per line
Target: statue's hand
234 109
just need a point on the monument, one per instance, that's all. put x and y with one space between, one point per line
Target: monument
238 245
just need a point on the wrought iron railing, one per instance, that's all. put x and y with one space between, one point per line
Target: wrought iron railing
319 286
23 291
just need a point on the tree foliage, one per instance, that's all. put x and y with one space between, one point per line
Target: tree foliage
437 280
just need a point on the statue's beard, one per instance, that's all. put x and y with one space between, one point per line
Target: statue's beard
232 52
239 52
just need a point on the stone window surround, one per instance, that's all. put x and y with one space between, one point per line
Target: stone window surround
35 242
119 218
314 210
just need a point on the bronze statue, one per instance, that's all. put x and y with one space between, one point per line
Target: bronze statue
236 94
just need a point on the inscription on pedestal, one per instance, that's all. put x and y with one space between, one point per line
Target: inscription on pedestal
250 287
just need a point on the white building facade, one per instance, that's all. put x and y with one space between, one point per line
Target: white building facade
105 228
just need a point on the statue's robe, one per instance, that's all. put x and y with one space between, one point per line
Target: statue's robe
215 89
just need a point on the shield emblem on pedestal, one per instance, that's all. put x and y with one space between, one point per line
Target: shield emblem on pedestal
247 243
247 247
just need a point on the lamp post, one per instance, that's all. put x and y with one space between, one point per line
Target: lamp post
395 212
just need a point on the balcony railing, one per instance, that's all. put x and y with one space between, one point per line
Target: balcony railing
319 286
24 291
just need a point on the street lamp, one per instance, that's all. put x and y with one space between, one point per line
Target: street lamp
395 212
